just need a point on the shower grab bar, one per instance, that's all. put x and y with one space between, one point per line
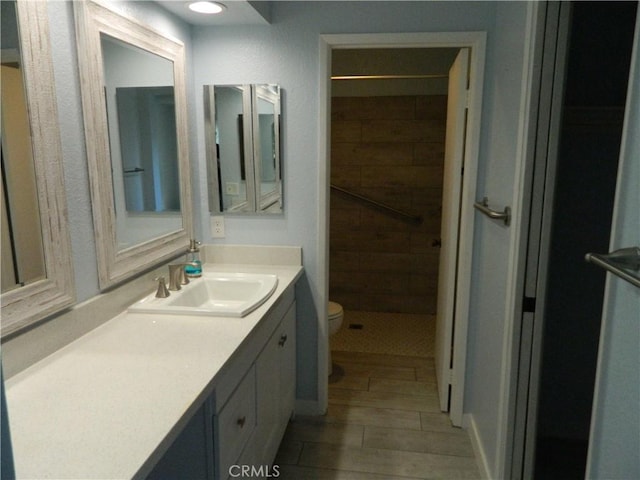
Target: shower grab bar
483 206
415 219
619 262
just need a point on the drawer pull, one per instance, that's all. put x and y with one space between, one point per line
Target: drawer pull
241 421
283 340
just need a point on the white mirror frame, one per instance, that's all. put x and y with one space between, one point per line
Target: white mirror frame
92 19
26 305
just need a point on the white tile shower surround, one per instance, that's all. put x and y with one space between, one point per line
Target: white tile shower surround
383 420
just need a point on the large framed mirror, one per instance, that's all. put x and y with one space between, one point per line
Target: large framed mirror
135 115
37 270
242 128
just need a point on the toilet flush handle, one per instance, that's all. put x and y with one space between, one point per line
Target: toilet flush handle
283 340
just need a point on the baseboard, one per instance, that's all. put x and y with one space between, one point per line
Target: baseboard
481 459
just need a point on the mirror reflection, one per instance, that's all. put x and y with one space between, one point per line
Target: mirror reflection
36 245
230 148
268 135
22 251
147 125
139 90
242 124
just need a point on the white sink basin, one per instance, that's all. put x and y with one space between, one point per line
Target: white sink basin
213 294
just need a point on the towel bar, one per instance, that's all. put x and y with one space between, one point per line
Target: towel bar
494 214
619 262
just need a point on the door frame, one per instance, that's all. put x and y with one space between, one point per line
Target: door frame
549 50
547 88
476 42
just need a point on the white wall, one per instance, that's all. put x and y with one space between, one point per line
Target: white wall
614 449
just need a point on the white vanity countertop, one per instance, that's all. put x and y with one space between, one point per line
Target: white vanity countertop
101 406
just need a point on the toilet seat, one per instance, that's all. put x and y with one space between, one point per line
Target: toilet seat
335 310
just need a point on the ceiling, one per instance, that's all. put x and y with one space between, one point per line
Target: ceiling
237 12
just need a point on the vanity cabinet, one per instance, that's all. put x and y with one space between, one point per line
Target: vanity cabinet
275 376
243 420
274 373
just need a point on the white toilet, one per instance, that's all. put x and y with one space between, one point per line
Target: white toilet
335 316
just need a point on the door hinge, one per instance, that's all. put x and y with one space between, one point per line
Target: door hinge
450 376
529 304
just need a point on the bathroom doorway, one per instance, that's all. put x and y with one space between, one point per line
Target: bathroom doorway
388 119
384 261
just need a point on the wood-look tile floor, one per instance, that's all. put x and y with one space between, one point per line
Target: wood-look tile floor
383 423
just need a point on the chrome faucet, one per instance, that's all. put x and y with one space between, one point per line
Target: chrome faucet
177 276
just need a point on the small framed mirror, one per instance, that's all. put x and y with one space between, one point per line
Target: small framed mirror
134 103
242 128
37 269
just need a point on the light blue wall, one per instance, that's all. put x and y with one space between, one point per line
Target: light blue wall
614 450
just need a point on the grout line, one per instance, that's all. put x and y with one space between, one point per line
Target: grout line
300 453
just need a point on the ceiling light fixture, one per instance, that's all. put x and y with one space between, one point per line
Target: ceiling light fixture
208 8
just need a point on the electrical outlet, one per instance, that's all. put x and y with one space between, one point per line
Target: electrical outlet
217 226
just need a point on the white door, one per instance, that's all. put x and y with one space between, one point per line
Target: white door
452 190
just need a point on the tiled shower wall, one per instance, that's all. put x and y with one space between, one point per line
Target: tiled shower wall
390 149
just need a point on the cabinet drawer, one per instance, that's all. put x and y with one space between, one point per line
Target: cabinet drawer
235 423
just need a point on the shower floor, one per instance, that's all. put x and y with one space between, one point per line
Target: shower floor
386 333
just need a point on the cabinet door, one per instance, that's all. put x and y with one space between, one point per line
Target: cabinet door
276 378
287 344
268 397
235 425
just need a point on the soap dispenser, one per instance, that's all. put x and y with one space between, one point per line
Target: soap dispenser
193 267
